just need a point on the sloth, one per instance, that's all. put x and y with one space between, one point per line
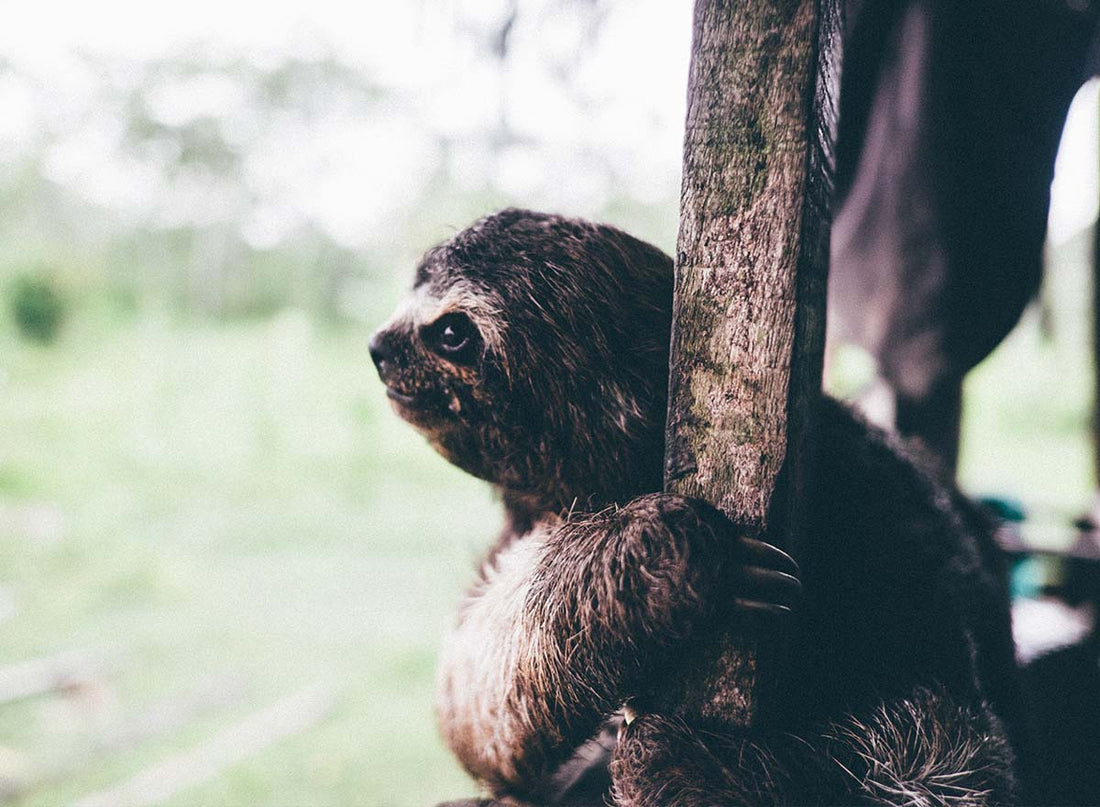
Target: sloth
533 353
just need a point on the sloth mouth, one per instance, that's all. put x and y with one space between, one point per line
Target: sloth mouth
401 397
424 407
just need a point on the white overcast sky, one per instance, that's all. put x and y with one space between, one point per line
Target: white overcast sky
350 174
637 70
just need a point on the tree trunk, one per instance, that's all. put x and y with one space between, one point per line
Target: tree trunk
751 265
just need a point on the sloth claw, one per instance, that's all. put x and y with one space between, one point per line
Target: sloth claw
766 579
762 553
761 607
767 586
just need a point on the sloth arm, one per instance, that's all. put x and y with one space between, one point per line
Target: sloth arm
570 619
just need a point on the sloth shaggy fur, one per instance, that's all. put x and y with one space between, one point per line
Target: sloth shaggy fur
533 352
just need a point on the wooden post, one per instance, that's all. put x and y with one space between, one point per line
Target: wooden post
752 252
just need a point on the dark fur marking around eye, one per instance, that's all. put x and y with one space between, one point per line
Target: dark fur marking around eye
453 337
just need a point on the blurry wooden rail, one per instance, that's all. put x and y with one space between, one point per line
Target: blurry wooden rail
288 716
71 673
58 672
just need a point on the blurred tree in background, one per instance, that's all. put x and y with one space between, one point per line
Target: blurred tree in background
37 306
217 176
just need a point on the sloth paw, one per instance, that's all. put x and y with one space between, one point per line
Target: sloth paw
703 544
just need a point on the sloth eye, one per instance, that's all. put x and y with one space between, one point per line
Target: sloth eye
452 336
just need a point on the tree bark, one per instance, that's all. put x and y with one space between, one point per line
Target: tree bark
751 266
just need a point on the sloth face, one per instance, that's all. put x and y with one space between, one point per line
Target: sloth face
437 358
533 352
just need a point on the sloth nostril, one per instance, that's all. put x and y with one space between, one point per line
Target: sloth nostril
381 352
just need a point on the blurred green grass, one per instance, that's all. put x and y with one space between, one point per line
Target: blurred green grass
232 501
1028 407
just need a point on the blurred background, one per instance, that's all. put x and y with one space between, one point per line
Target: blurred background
225 565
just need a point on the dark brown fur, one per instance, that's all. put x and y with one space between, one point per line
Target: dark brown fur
565 388
599 590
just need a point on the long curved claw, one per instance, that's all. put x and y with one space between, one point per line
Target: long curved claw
753 551
766 585
764 578
765 607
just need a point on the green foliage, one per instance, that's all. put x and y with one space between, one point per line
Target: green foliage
228 500
37 306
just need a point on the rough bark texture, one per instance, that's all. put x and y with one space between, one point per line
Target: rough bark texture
752 252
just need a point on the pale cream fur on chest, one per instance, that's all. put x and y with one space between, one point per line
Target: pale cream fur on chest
491 646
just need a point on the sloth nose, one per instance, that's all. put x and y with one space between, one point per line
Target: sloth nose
381 352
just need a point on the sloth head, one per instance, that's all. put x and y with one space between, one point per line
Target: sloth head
533 352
